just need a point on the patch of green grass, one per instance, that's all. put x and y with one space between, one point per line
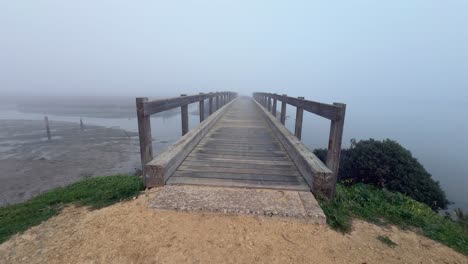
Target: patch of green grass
384 207
387 241
94 192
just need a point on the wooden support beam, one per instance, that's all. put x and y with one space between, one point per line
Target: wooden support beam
184 115
298 126
274 106
210 105
201 107
283 110
334 146
144 132
269 104
46 120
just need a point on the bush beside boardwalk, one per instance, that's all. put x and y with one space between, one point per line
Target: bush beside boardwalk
386 164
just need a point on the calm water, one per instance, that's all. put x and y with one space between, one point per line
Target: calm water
433 131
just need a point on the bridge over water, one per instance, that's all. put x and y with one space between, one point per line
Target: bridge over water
242 142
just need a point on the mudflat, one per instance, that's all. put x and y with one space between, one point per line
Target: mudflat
30 164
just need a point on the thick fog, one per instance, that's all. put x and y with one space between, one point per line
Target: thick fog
323 50
400 66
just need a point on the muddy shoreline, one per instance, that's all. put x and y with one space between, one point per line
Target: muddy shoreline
30 164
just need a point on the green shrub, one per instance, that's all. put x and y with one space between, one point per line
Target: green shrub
386 164
385 207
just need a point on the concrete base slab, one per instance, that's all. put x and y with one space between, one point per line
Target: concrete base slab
274 203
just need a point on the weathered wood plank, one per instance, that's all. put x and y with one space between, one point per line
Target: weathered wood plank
238 164
328 111
334 148
316 174
240 176
236 183
184 117
201 108
144 132
160 169
222 170
298 124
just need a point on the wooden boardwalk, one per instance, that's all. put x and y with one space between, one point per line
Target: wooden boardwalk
240 150
241 142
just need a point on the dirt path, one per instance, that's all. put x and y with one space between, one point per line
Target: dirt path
130 232
31 165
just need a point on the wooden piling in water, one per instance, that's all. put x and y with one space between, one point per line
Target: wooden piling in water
46 120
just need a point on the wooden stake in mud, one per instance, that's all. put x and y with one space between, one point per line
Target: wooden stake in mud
46 119
81 125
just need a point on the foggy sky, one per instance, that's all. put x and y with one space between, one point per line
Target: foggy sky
332 51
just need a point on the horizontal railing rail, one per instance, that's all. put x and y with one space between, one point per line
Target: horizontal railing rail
334 112
146 108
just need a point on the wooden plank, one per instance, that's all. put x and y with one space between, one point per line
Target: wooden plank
328 111
201 108
283 110
275 100
334 148
237 183
160 169
241 176
264 171
236 164
238 157
241 153
144 132
210 105
184 117
298 124
268 162
316 174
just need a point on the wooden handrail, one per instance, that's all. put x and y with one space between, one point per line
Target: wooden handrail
328 111
334 112
146 108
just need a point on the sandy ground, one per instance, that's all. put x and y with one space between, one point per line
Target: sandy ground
30 165
131 232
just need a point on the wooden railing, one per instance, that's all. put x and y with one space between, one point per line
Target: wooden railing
146 108
334 112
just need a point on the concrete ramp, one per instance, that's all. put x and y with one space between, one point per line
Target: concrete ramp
262 202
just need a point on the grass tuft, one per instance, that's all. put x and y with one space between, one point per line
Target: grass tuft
383 207
94 192
387 241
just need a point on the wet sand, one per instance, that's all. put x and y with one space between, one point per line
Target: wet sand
30 164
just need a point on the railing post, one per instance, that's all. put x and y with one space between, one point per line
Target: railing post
217 102
144 132
283 109
334 147
210 104
46 120
298 126
184 114
274 105
269 104
202 107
